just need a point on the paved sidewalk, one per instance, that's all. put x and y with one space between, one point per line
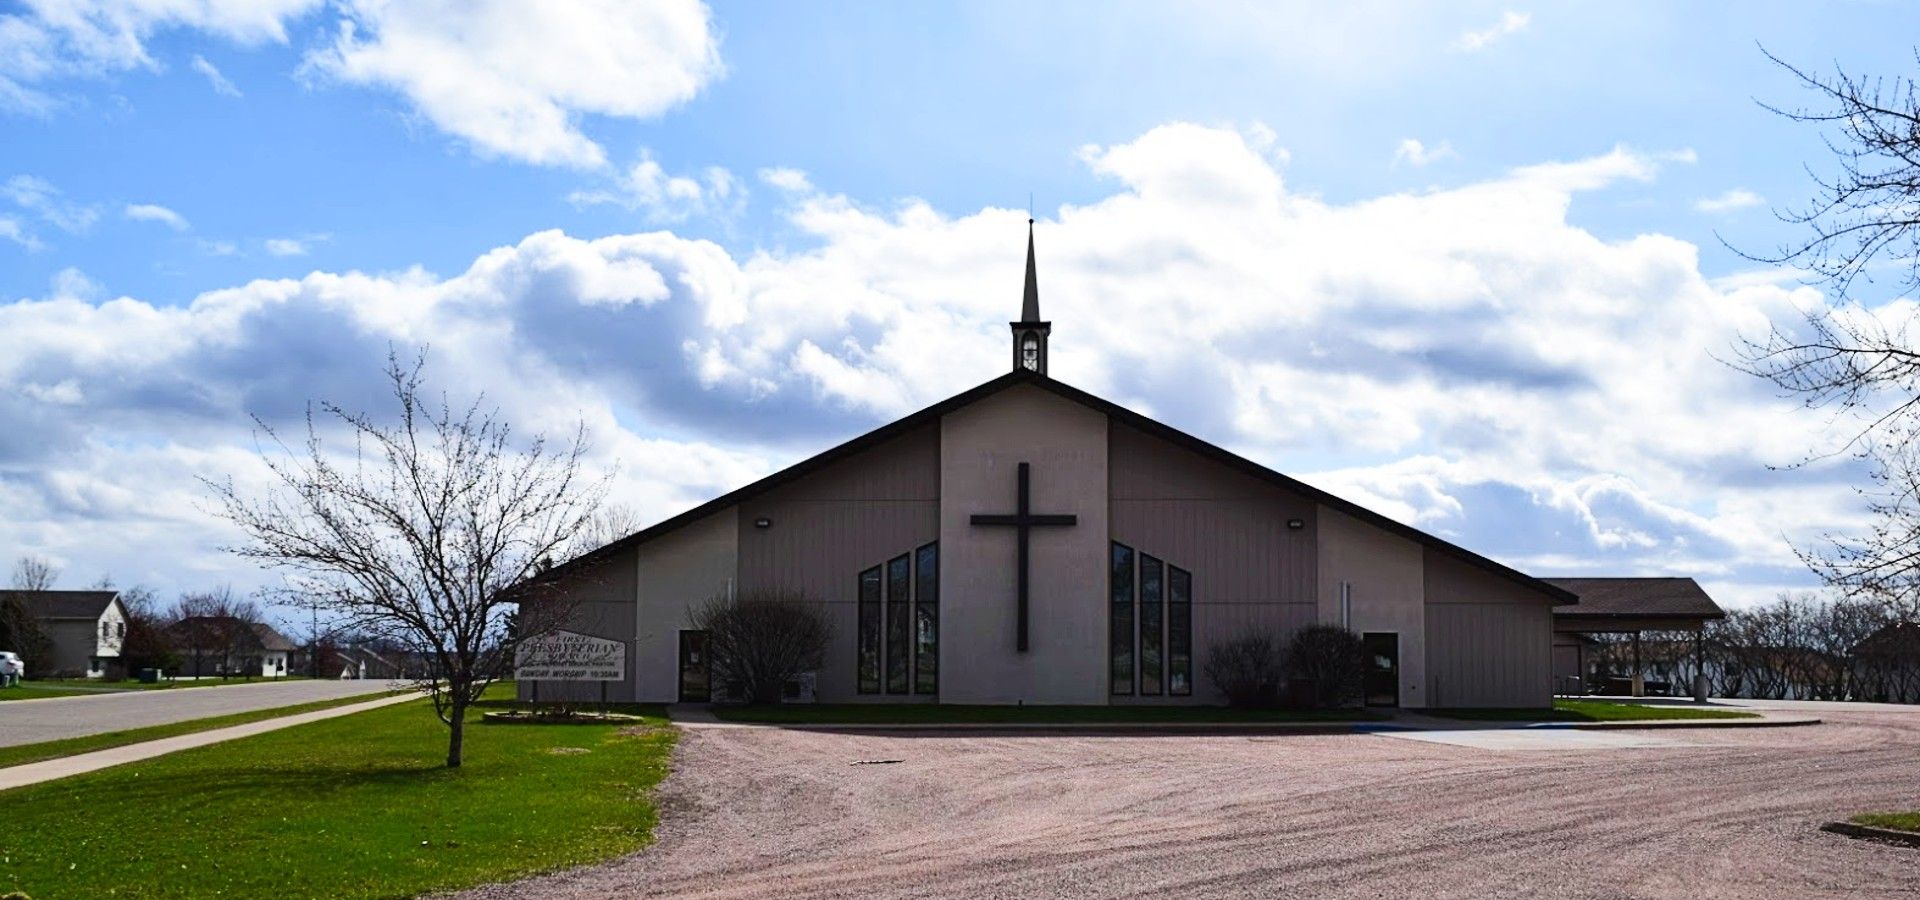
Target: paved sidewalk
78 764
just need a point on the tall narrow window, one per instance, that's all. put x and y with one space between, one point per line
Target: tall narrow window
899 591
926 622
1179 632
1152 618
1120 620
869 650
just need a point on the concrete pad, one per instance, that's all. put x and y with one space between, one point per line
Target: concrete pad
1536 739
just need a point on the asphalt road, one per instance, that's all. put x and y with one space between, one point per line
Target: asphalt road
33 721
1694 812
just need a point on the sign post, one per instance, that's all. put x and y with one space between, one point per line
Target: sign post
570 656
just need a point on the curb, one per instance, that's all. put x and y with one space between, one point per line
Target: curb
1326 727
989 728
1872 833
1658 724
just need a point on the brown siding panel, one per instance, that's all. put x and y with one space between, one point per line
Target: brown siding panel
1250 572
855 514
605 607
1489 640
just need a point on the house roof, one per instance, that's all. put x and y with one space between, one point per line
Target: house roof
1113 410
226 628
88 605
1636 598
1896 639
271 639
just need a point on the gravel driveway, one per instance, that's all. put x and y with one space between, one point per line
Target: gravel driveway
33 721
753 812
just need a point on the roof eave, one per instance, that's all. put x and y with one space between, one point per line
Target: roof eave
1560 596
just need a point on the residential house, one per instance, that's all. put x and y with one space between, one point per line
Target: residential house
229 647
86 629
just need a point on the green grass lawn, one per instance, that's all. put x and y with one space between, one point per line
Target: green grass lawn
26 753
1591 711
38 690
358 806
1904 821
946 713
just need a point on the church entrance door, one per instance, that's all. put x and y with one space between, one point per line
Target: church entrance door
1382 686
694 670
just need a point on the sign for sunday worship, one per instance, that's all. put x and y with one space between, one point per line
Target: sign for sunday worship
568 656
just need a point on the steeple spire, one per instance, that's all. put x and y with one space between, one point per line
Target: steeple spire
1030 333
1030 304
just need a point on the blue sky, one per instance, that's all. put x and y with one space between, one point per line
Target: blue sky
1460 263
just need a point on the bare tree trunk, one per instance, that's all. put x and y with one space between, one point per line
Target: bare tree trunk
456 730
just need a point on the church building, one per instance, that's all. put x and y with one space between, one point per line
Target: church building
1028 542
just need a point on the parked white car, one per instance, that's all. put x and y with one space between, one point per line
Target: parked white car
12 668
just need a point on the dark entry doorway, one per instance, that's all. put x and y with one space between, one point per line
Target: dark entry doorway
694 672
1382 687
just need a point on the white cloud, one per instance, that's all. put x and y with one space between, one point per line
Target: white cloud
1473 41
219 248
12 230
1464 359
149 212
41 198
1737 198
792 181
1418 155
513 79
646 187
293 246
218 81
48 40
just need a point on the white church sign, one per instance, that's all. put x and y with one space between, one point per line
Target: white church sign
568 656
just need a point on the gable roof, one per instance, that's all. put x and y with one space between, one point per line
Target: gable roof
269 638
1898 639
65 604
1637 598
1113 411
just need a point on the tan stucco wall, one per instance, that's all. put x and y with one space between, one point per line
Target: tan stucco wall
603 599
675 573
1386 578
1489 639
1251 573
829 526
980 448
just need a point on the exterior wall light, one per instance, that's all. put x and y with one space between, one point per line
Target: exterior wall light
763 523
1296 524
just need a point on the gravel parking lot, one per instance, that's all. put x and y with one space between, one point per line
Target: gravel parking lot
755 812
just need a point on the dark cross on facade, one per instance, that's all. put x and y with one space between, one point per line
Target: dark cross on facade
1022 521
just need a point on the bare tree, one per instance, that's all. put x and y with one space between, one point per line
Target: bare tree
1863 219
146 645
758 641
20 629
416 530
1869 211
34 573
1247 669
216 624
609 523
1330 662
